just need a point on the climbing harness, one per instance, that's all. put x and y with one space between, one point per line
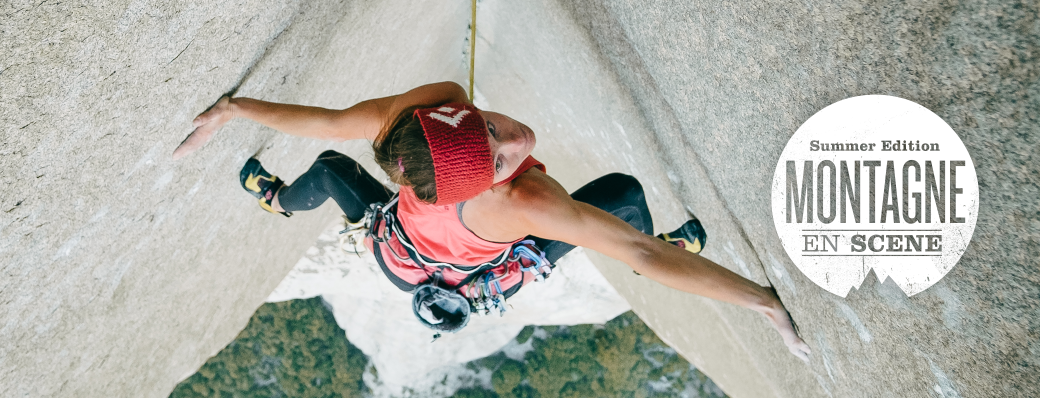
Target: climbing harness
387 213
438 286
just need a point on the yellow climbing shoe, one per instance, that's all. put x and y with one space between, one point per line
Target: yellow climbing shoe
690 236
261 184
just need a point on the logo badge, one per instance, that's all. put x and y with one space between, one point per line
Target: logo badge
875 182
451 121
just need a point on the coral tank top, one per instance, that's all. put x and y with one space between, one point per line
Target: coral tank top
437 230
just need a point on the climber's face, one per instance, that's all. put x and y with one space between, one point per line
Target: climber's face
511 143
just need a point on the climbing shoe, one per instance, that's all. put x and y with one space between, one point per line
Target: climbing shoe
690 236
261 184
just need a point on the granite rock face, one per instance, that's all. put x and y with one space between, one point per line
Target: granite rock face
720 88
698 100
122 270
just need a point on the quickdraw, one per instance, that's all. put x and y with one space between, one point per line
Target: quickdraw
541 267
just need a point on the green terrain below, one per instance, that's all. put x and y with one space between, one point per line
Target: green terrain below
295 349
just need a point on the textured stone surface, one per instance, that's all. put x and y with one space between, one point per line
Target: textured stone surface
121 270
698 101
726 86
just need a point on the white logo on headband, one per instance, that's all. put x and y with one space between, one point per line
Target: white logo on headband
451 121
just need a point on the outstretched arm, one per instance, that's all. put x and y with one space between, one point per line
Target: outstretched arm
366 119
547 211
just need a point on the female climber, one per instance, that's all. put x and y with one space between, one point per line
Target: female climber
471 195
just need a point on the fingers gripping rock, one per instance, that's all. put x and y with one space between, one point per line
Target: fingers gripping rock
205 125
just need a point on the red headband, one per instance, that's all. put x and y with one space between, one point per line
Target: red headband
461 153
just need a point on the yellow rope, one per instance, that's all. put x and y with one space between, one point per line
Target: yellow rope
472 47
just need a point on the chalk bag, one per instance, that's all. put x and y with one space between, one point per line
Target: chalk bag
440 309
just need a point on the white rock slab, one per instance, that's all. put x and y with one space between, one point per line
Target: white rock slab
377 317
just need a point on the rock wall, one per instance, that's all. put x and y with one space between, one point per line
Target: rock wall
707 96
122 271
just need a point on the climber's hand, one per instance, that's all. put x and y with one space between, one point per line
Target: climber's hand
205 125
781 320
798 347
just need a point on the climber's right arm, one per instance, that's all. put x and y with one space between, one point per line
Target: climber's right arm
365 120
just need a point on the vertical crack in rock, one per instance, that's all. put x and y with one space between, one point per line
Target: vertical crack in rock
658 114
262 53
627 66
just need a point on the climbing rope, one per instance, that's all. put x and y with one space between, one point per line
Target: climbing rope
472 47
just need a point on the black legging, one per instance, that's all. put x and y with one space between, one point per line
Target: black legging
337 176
